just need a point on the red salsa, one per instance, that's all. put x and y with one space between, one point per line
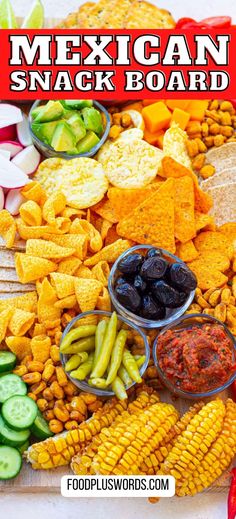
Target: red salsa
197 359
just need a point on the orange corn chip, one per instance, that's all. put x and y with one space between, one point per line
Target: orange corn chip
53 206
229 230
124 201
112 236
69 265
206 276
109 253
74 241
152 222
66 302
63 283
217 259
5 317
34 191
209 240
7 228
31 213
21 322
105 210
26 302
30 268
39 329
80 226
204 221
104 301
47 249
40 346
47 299
84 272
101 272
87 292
184 209
20 346
187 251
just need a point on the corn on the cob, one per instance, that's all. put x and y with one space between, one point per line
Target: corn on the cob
81 463
217 459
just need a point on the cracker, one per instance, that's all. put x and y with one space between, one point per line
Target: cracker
12 287
7 259
208 241
185 228
124 201
8 275
224 206
187 251
152 222
143 14
18 245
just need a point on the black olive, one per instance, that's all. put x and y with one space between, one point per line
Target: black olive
165 294
182 277
139 283
152 253
182 298
131 264
151 310
128 297
120 281
153 268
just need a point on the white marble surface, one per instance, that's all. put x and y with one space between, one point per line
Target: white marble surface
206 506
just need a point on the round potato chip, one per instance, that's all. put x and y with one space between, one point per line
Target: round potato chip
132 133
130 163
82 180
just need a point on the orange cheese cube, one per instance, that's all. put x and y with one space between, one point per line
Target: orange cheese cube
197 109
181 117
177 103
160 140
156 116
151 138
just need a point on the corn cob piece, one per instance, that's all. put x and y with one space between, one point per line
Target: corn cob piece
194 442
133 439
60 449
81 463
218 457
152 463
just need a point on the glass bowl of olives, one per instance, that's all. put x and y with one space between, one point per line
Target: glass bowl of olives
150 286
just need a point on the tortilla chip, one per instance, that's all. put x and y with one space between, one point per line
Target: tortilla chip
185 228
84 272
34 191
26 302
216 258
20 322
229 230
47 298
63 283
31 213
143 14
66 302
69 265
5 317
152 222
40 346
104 301
214 241
174 145
206 276
30 268
112 236
74 241
53 206
124 201
109 253
105 209
47 249
101 272
87 292
187 251
80 226
7 228
204 221
20 346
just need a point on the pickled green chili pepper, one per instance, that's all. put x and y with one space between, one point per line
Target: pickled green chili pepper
86 344
84 369
131 366
119 389
77 333
99 338
124 375
106 349
99 383
74 362
139 359
116 355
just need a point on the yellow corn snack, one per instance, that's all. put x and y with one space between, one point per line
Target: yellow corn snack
27 302
80 226
21 346
5 317
47 298
34 191
47 249
101 272
31 213
7 228
73 241
63 283
69 266
53 206
109 253
30 268
20 322
40 347
87 292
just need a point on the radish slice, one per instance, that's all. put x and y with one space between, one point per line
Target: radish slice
8 133
27 160
23 133
9 114
12 147
5 154
11 177
1 199
13 201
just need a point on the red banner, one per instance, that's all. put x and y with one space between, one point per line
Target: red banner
117 64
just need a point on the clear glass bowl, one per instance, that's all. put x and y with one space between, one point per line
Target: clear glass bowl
49 152
182 323
122 323
172 313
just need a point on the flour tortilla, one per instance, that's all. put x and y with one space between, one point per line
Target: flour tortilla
224 207
227 176
223 157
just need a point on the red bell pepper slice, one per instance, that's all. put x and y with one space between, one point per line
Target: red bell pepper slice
218 21
182 22
232 496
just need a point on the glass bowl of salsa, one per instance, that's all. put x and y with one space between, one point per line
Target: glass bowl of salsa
195 356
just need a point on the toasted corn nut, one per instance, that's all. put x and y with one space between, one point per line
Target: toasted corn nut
78 404
202 302
38 387
55 353
226 106
201 145
195 308
231 319
227 131
49 415
51 404
61 376
116 118
57 391
70 389
214 298
219 140
126 120
205 129
214 129
192 147
198 161
20 370
32 378
207 171
88 398
32 396
214 105
92 408
77 416
26 360
225 118
209 141
115 131
35 366
55 426
234 286
71 424
42 404
213 115
48 372
61 412
47 394
220 312
225 295
209 311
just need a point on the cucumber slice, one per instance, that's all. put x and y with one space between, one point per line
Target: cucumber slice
11 385
19 412
5 373
10 462
40 428
7 361
24 447
10 437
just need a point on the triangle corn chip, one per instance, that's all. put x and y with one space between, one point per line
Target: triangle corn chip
101 272
104 301
84 272
47 249
40 346
87 292
30 268
63 283
31 213
20 322
184 209
7 228
204 221
174 145
105 209
66 302
109 253
187 251
80 226
124 201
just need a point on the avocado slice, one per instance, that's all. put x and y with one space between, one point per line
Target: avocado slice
36 111
77 124
44 131
92 120
77 104
68 113
63 137
88 142
52 111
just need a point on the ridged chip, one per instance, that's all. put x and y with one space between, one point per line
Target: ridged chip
20 322
109 253
87 292
34 191
63 283
31 213
21 346
69 265
46 309
7 228
73 241
30 268
47 249
208 241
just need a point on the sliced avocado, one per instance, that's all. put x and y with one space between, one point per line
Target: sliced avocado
92 120
63 137
77 124
52 111
68 113
77 104
44 131
36 111
88 142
